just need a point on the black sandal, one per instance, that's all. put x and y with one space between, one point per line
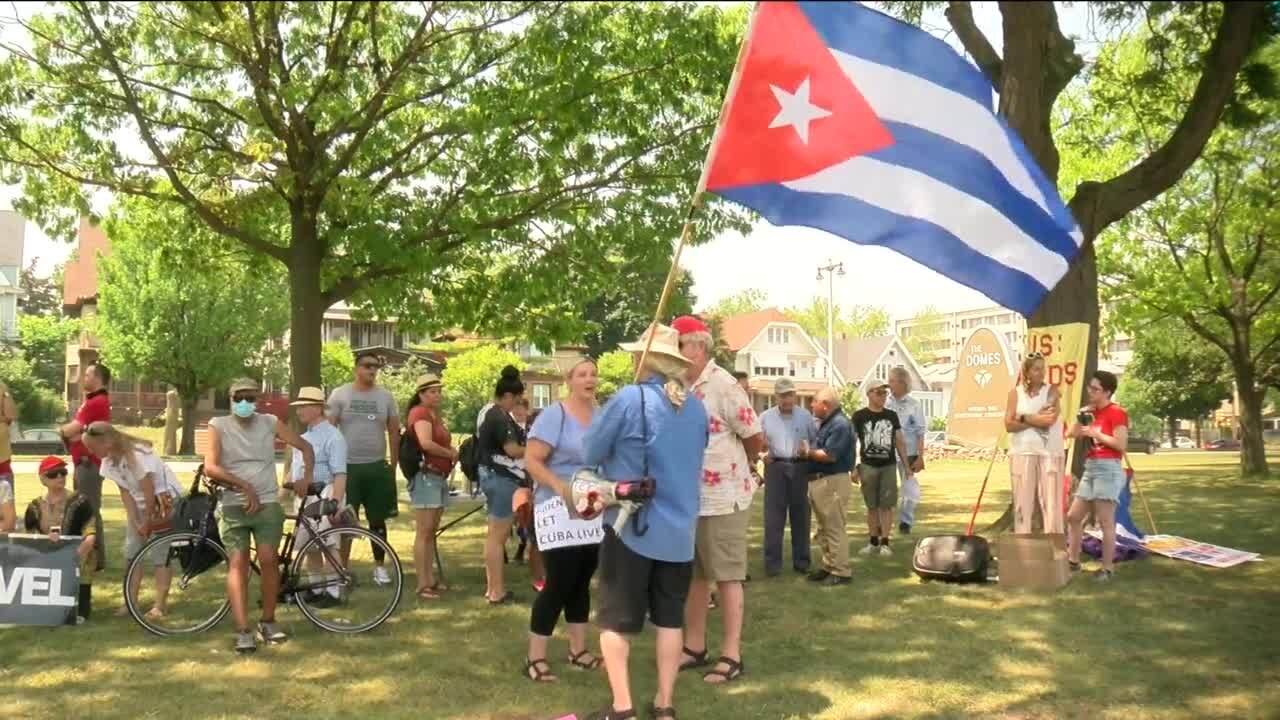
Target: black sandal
661 712
539 675
699 659
576 661
610 714
733 673
508 598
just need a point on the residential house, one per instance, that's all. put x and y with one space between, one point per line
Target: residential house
12 229
543 375
866 360
767 346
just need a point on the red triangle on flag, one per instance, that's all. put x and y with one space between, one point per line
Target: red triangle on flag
794 111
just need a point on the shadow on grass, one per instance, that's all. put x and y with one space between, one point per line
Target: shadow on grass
1167 639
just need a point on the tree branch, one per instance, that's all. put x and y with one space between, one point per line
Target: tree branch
1097 205
960 15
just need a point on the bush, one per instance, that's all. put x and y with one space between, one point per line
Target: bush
41 406
469 381
938 424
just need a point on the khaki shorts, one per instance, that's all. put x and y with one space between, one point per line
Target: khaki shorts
879 486
720 548
266 526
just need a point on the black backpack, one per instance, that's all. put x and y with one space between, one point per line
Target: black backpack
195 513
469 458
409 456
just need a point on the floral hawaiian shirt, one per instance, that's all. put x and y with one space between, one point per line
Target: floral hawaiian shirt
727 485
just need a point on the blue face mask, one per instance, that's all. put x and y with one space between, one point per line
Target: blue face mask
242 408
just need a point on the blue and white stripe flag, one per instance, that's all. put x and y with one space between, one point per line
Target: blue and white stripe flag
847 120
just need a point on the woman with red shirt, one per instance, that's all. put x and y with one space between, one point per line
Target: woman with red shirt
1105 436
429 489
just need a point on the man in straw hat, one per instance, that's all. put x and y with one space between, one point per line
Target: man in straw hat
728 483
655 428
329 475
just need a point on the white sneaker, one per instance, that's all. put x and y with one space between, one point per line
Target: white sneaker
381 576
869 550
885 551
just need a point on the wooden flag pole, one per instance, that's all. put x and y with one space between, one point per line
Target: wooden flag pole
1133 478
696 201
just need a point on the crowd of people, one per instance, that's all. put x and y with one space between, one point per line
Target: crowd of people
687 426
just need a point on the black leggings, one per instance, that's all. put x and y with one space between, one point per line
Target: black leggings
379 528
568 588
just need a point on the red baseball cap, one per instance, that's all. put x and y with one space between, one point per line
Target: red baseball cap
53 462
687 324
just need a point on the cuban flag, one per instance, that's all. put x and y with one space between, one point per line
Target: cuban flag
847 120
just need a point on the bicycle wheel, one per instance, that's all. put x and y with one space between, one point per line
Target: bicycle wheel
182 575
333 576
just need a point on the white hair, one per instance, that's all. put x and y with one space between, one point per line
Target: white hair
673 370
902 374
702 338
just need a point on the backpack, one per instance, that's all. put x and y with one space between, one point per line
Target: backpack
469 458
409 456
190 514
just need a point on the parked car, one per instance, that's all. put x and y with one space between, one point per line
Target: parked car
1142 445
935 437
38 441
1180 443
1223 444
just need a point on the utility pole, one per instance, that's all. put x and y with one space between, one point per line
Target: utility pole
831 269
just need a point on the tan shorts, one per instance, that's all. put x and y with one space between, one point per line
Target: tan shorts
720 549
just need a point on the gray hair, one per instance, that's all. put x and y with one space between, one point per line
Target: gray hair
676 385
902 374
829 396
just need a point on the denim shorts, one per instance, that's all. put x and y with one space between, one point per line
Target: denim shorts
498 490
1103 479
133 544
428 492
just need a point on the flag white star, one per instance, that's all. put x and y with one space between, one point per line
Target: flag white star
796 110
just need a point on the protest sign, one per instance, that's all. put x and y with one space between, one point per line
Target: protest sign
555 528
39 580
1197 552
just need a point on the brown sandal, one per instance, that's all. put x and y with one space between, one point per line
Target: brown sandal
593 664
538 674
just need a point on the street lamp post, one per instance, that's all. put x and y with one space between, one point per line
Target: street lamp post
831 269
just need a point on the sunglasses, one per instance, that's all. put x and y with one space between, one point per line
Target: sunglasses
881 391
1035 356
55 474
242 398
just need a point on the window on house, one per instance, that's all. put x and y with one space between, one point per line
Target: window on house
541 396
779 336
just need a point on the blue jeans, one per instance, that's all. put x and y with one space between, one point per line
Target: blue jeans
498 490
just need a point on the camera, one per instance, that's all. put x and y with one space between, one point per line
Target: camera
1084 418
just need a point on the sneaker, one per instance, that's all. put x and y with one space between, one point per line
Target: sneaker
269 634
869 550
834 580
819 575
1102 576
245 643
904 529
381 576
885 551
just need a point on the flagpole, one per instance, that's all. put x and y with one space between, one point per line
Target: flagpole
695 202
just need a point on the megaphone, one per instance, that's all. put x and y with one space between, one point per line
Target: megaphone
593 494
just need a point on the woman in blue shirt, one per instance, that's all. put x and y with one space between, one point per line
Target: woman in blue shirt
570 545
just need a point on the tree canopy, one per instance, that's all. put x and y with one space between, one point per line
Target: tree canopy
857 321
449 164
469 380
191 318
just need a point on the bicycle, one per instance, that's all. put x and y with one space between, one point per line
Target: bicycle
326 579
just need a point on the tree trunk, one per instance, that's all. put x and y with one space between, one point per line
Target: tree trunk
190 398
1199 432
306 302
1253 452
1173 432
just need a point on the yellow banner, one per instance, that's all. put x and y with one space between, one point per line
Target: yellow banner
984 375
1064 348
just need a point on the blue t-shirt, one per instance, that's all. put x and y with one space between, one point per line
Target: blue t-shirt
674 444
560 430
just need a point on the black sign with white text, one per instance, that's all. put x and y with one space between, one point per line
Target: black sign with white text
39 580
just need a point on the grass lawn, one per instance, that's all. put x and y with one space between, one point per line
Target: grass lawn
1167 639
